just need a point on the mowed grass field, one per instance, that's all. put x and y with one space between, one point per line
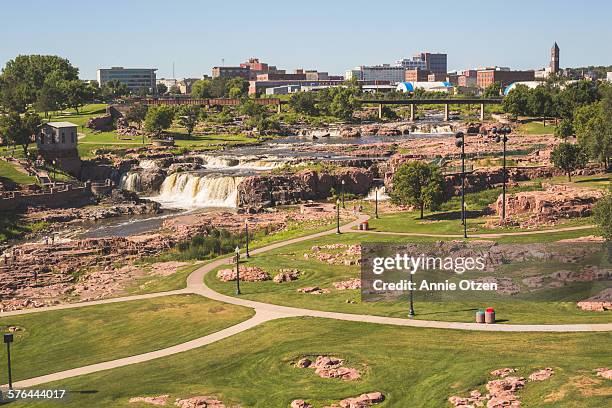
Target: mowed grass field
8 172
539 310
59 340
412 367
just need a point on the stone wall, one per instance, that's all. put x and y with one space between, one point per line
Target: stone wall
57 197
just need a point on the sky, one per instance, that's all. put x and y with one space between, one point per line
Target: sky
326 35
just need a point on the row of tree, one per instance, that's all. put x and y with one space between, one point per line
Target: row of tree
220 88
341 101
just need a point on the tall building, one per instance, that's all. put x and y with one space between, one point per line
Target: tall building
383 72
412 63
231 72
134 78
436 63
487 77
554 59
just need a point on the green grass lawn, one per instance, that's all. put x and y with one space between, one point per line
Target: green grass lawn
316 273
9 173
536 128
13 225
60 340
412 367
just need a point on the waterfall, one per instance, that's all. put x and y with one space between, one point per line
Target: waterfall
188 190
130 181
382 194
243 162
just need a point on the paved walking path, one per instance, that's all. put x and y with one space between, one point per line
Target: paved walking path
265 312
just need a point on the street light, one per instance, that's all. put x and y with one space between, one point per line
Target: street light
411 312
337 216
501 136
460 142
376 202
342 193
246 230
54 164
237 250
8 339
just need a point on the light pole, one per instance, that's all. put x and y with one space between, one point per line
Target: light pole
53 163
246 230
237 270
501 136
8 339
337 216
376 202
460 142
342 193
411 312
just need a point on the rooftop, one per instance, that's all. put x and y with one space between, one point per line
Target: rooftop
61 124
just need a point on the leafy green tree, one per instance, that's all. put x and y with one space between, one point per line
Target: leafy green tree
48 99
603 216
568 157
137 114
419 184
188 116
304 102
201 89
19 129
24 77
113 90
493 91
250 108
174 90
158 119
75 93
162 89
564 129
540 102
593 126
574 96
516 102
236 88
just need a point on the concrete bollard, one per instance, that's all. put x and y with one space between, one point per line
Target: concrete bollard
480 316
490 316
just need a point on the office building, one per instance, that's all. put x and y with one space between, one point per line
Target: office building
383 72
484 78
231 72
134 78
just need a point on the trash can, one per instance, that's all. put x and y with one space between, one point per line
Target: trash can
490 315
365 226
480 316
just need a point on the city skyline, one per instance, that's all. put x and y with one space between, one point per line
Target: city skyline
334 37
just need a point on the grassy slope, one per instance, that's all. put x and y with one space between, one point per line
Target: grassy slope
411 367
10 173
536 128
60 340
321 274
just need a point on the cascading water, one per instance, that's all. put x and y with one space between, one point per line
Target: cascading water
382 194
188 190
130 181
243 162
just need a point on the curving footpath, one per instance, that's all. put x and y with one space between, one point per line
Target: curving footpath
265 312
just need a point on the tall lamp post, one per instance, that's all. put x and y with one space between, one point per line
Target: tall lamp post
246 230
501 136
376 202
337 216
8 339
460 142
411 294
237 250
342 193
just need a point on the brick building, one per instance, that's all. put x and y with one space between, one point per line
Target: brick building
486 77
231 72
416 75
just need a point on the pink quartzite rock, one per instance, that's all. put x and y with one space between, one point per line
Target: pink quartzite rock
604 372
300 404
159 400
199 402
247 274
542 375
286 275
330 367
354 283
313 290
503 372
362 401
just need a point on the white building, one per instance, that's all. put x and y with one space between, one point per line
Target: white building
609 76
134 78
411 63
427 86
383 72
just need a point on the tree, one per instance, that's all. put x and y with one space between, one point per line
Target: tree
603 215
24 77
517 101
568 157
593 126
158 119
137 114
493 91
304 102
75 93
188 116
162 89
48 99
175 90
201 89
574 96
418 183
250 108
540 102
20 129
564 129
113 90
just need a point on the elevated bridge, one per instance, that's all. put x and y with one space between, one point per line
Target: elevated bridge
439 101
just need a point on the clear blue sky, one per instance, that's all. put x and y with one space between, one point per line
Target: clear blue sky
331 35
